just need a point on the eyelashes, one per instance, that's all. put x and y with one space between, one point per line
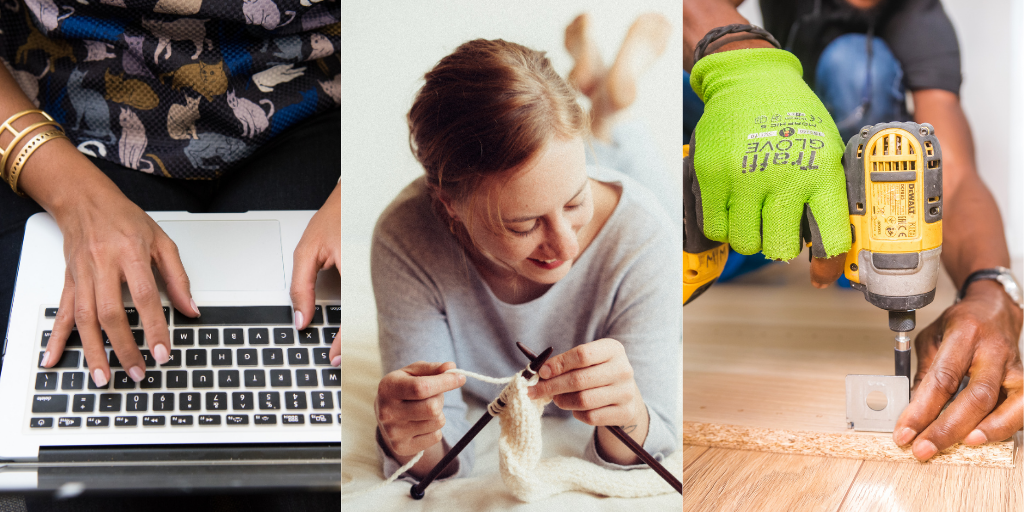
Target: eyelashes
536 223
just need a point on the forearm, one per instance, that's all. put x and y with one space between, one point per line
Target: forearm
611 449
973 236
700 16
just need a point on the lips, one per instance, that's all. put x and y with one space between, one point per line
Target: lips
547 264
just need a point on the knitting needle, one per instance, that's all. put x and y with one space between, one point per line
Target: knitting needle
626 440
420 488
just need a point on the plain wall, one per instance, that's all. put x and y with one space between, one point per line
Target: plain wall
386 49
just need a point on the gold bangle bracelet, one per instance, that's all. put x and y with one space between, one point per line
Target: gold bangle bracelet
8 126
26 152
17 139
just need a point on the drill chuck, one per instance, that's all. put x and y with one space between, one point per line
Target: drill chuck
902 321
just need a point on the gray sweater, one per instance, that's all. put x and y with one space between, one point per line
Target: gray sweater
432 305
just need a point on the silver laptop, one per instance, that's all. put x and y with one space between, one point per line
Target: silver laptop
239 375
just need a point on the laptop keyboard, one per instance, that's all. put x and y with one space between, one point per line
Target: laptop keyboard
233 367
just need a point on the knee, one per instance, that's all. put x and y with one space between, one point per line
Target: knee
844 64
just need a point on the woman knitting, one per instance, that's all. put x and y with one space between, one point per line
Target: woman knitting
511 237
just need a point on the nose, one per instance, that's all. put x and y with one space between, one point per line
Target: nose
562 240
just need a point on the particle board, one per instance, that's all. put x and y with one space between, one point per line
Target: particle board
738 480
861 445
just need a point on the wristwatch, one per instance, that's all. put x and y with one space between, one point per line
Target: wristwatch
1000 274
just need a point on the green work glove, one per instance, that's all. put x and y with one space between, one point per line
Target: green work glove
764 148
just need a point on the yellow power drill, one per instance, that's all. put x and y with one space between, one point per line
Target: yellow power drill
703 259
894 189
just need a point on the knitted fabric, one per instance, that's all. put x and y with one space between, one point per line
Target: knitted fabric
764 147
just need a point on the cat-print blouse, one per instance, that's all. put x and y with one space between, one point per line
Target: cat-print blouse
180 88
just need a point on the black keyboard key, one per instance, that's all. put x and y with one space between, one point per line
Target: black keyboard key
72 380
177 379
46 338
195 357
167 314
50 403
181 420
140 336
209 337
123 381
114 361
295 399
255 378
318 316
209 419
46 380
97 421
265 419
281 378
329 334
284 336
152 380
306 378
83 403
322 356
332 377
183 337
189 401
216 401
334 314
202 378
69 422
241 401
269 400
153 421
233 337
126 421
273 357
41 423
298 356
292 419
133 316
247 357
163 402
320 419
74 339
69 359
148 358
136 402
322 399
259 336
221 357
228 378
50 312
173 360
309 336
238 315
92 384
110 402
236 419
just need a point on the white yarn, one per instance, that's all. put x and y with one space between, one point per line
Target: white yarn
394 476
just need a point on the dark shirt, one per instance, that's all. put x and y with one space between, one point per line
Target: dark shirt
917 31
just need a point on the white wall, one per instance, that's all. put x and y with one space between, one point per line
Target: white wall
387 46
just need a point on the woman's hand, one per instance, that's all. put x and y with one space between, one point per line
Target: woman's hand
409 408
595 382
976 337
108 240
318 249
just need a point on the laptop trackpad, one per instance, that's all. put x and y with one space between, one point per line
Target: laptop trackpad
231 255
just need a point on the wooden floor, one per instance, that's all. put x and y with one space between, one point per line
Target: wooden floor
770 351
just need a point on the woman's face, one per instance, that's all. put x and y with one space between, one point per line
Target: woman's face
543 206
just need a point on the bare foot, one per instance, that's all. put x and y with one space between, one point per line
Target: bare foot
588 70
644 43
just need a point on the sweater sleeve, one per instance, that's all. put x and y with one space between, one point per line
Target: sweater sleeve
411 317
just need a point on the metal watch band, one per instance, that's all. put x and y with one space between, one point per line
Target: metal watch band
1003 276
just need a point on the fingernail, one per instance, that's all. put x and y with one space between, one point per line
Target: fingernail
975 438
99 377
298 319
336 361
46 359
160 353
904 436
136 373
194 307
545 372
924 450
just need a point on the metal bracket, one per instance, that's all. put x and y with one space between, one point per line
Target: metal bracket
862 416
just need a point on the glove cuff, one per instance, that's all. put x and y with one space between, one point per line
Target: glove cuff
756 64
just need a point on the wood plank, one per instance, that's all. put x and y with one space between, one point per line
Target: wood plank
1016 497
862 446
734 480
691 453
896 486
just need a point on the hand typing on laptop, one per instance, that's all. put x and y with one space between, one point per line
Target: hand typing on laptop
319 249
